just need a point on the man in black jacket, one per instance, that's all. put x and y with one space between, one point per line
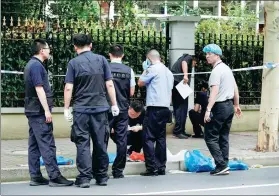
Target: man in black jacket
136 114
89 79
197 114
124 82
38 106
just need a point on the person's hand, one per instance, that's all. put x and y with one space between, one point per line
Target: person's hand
48 117
115 110
68 115
185 79
237 111
112 130
207 117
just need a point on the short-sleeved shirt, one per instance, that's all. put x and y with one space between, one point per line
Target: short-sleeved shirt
202 100
71 75
138 120
38 77
159 83
177 67
222 76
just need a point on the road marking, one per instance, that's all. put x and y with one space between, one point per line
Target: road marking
202 190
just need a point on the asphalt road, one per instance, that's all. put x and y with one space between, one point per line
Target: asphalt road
264 181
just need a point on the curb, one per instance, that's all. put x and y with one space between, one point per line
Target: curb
132 168
70 171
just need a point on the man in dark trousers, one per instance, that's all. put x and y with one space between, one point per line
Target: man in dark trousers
89 78
136 114
124 82
38 105
197 114
223 103
182 66
158 80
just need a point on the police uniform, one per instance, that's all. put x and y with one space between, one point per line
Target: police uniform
159 83
88 73
41 140
123 79
180 105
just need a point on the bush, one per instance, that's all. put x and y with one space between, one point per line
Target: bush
16 53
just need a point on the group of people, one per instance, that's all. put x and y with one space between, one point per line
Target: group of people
100 92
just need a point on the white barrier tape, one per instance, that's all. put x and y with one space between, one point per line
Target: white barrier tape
266 65
11 72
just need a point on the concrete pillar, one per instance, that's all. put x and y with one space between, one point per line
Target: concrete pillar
182 40
195 4
219 8
243 3
111 10
166 8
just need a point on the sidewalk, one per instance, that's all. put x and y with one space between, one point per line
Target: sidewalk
242 144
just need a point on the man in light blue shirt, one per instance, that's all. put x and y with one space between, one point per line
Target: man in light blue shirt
158 80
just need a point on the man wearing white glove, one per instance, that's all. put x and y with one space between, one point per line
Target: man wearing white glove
136 114
68 115
89 78
124 82
114 110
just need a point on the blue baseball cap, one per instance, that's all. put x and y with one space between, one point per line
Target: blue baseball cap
213 48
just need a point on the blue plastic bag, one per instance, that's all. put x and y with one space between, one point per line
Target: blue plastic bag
197 162
60 161
111 157
237 165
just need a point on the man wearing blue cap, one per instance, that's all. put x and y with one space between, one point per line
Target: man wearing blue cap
222 103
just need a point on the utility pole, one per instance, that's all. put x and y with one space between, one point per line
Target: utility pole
269 110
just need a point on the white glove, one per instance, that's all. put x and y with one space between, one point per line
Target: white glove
68 115
115 110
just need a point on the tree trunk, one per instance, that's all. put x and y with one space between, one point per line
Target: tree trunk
269 110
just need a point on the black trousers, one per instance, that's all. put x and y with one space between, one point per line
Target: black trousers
96 126
41 143
134 140
120 125
154 132
180 109
217 132
197 120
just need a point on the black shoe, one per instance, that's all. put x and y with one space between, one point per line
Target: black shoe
148 173
188 135
220 171
81 184
197 136
180 136
102 183
37 181
118 176
60 181
161 172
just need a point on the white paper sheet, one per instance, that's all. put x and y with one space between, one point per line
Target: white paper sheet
184 89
